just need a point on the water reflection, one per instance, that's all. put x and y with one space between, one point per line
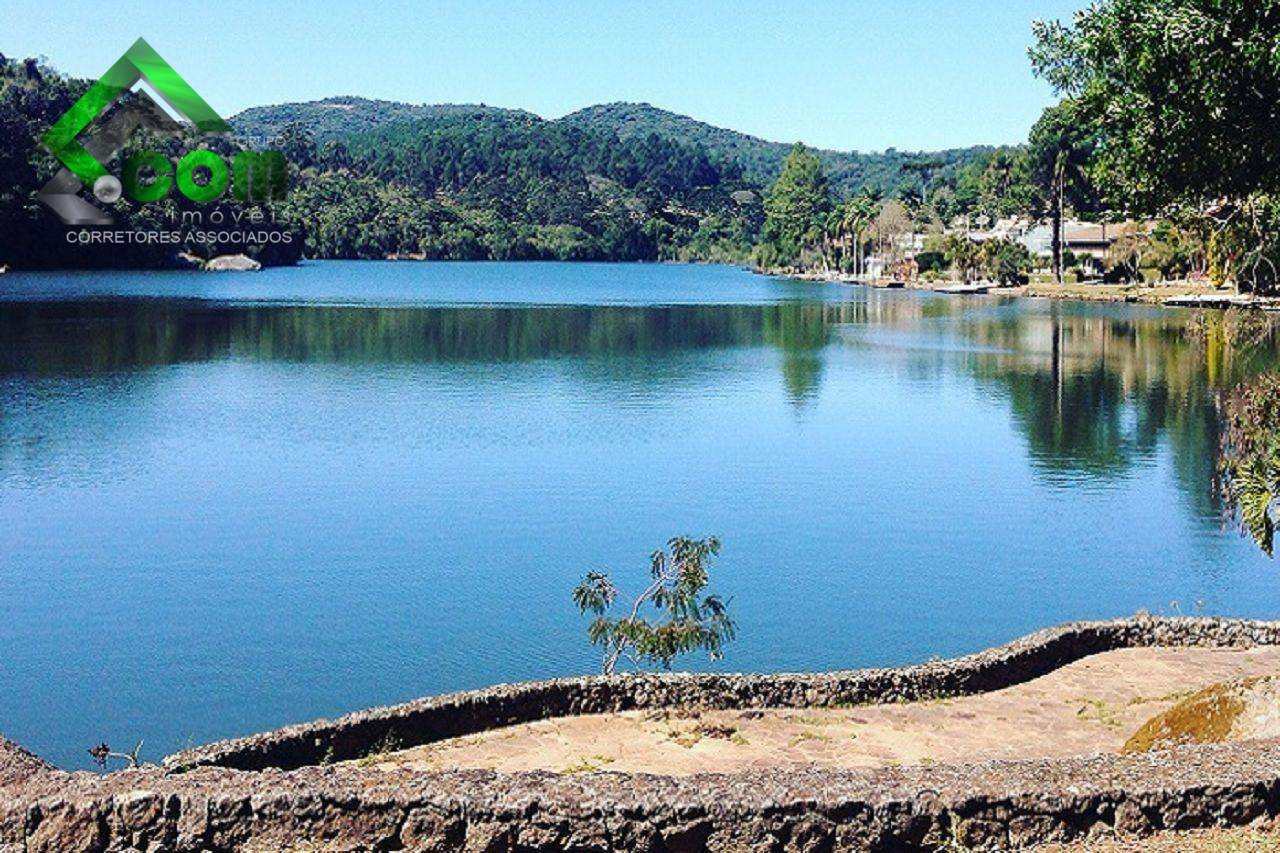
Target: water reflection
301 505
1092 388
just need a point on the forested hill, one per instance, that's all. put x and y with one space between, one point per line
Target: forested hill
889 172
761 160
333 118
371 179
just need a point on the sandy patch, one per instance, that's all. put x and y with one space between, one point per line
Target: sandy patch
1088 707
1199 841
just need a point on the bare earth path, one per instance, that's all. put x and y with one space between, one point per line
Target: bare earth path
1091 706
1199 841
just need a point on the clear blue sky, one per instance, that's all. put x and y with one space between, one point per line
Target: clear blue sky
912 74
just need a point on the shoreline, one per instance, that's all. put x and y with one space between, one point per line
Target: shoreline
437 717
1174 294
1205 294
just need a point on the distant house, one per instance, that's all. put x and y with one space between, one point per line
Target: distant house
909 245
1009 228
1088 241
1039 240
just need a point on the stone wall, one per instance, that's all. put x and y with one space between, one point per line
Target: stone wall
995 805
438 717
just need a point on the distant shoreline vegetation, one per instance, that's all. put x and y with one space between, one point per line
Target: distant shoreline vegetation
1171 143
372 179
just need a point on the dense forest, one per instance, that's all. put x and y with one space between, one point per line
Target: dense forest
512 186
890 173
32 97
370 179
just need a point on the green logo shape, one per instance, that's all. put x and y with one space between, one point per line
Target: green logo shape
140 62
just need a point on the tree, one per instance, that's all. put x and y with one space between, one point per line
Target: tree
1005 261
1129 249
891 224
1175 250
964 255
687 619
998 184
944 203
856 214
1249 465
795 209
926 168
1005 187
1182 95
1061 146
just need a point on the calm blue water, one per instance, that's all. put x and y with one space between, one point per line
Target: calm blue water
230 502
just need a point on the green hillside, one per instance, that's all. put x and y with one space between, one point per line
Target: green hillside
891 172
337 117
373 178
761 160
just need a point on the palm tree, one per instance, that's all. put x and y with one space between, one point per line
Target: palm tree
831 232
855 215
1061 148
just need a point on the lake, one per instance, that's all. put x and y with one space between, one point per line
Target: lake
231 502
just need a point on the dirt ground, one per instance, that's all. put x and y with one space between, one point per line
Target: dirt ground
1201 841
1089 707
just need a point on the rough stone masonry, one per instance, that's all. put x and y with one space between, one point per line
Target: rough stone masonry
279 790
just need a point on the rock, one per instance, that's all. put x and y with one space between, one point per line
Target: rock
1221 713
234 263
200 803
1131 819
432 829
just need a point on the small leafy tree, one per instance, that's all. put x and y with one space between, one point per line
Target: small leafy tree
1005 261
687 620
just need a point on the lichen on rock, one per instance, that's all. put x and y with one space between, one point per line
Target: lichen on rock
1230 711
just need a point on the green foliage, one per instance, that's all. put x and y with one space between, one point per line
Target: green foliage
687 620
1249 470
931 261
32 97
851 227
890 172
620 181
964 255
1244 245
992 187
1176 250
1061 150
512 186
1182 93
616 182
1005 261
795 210
333 119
